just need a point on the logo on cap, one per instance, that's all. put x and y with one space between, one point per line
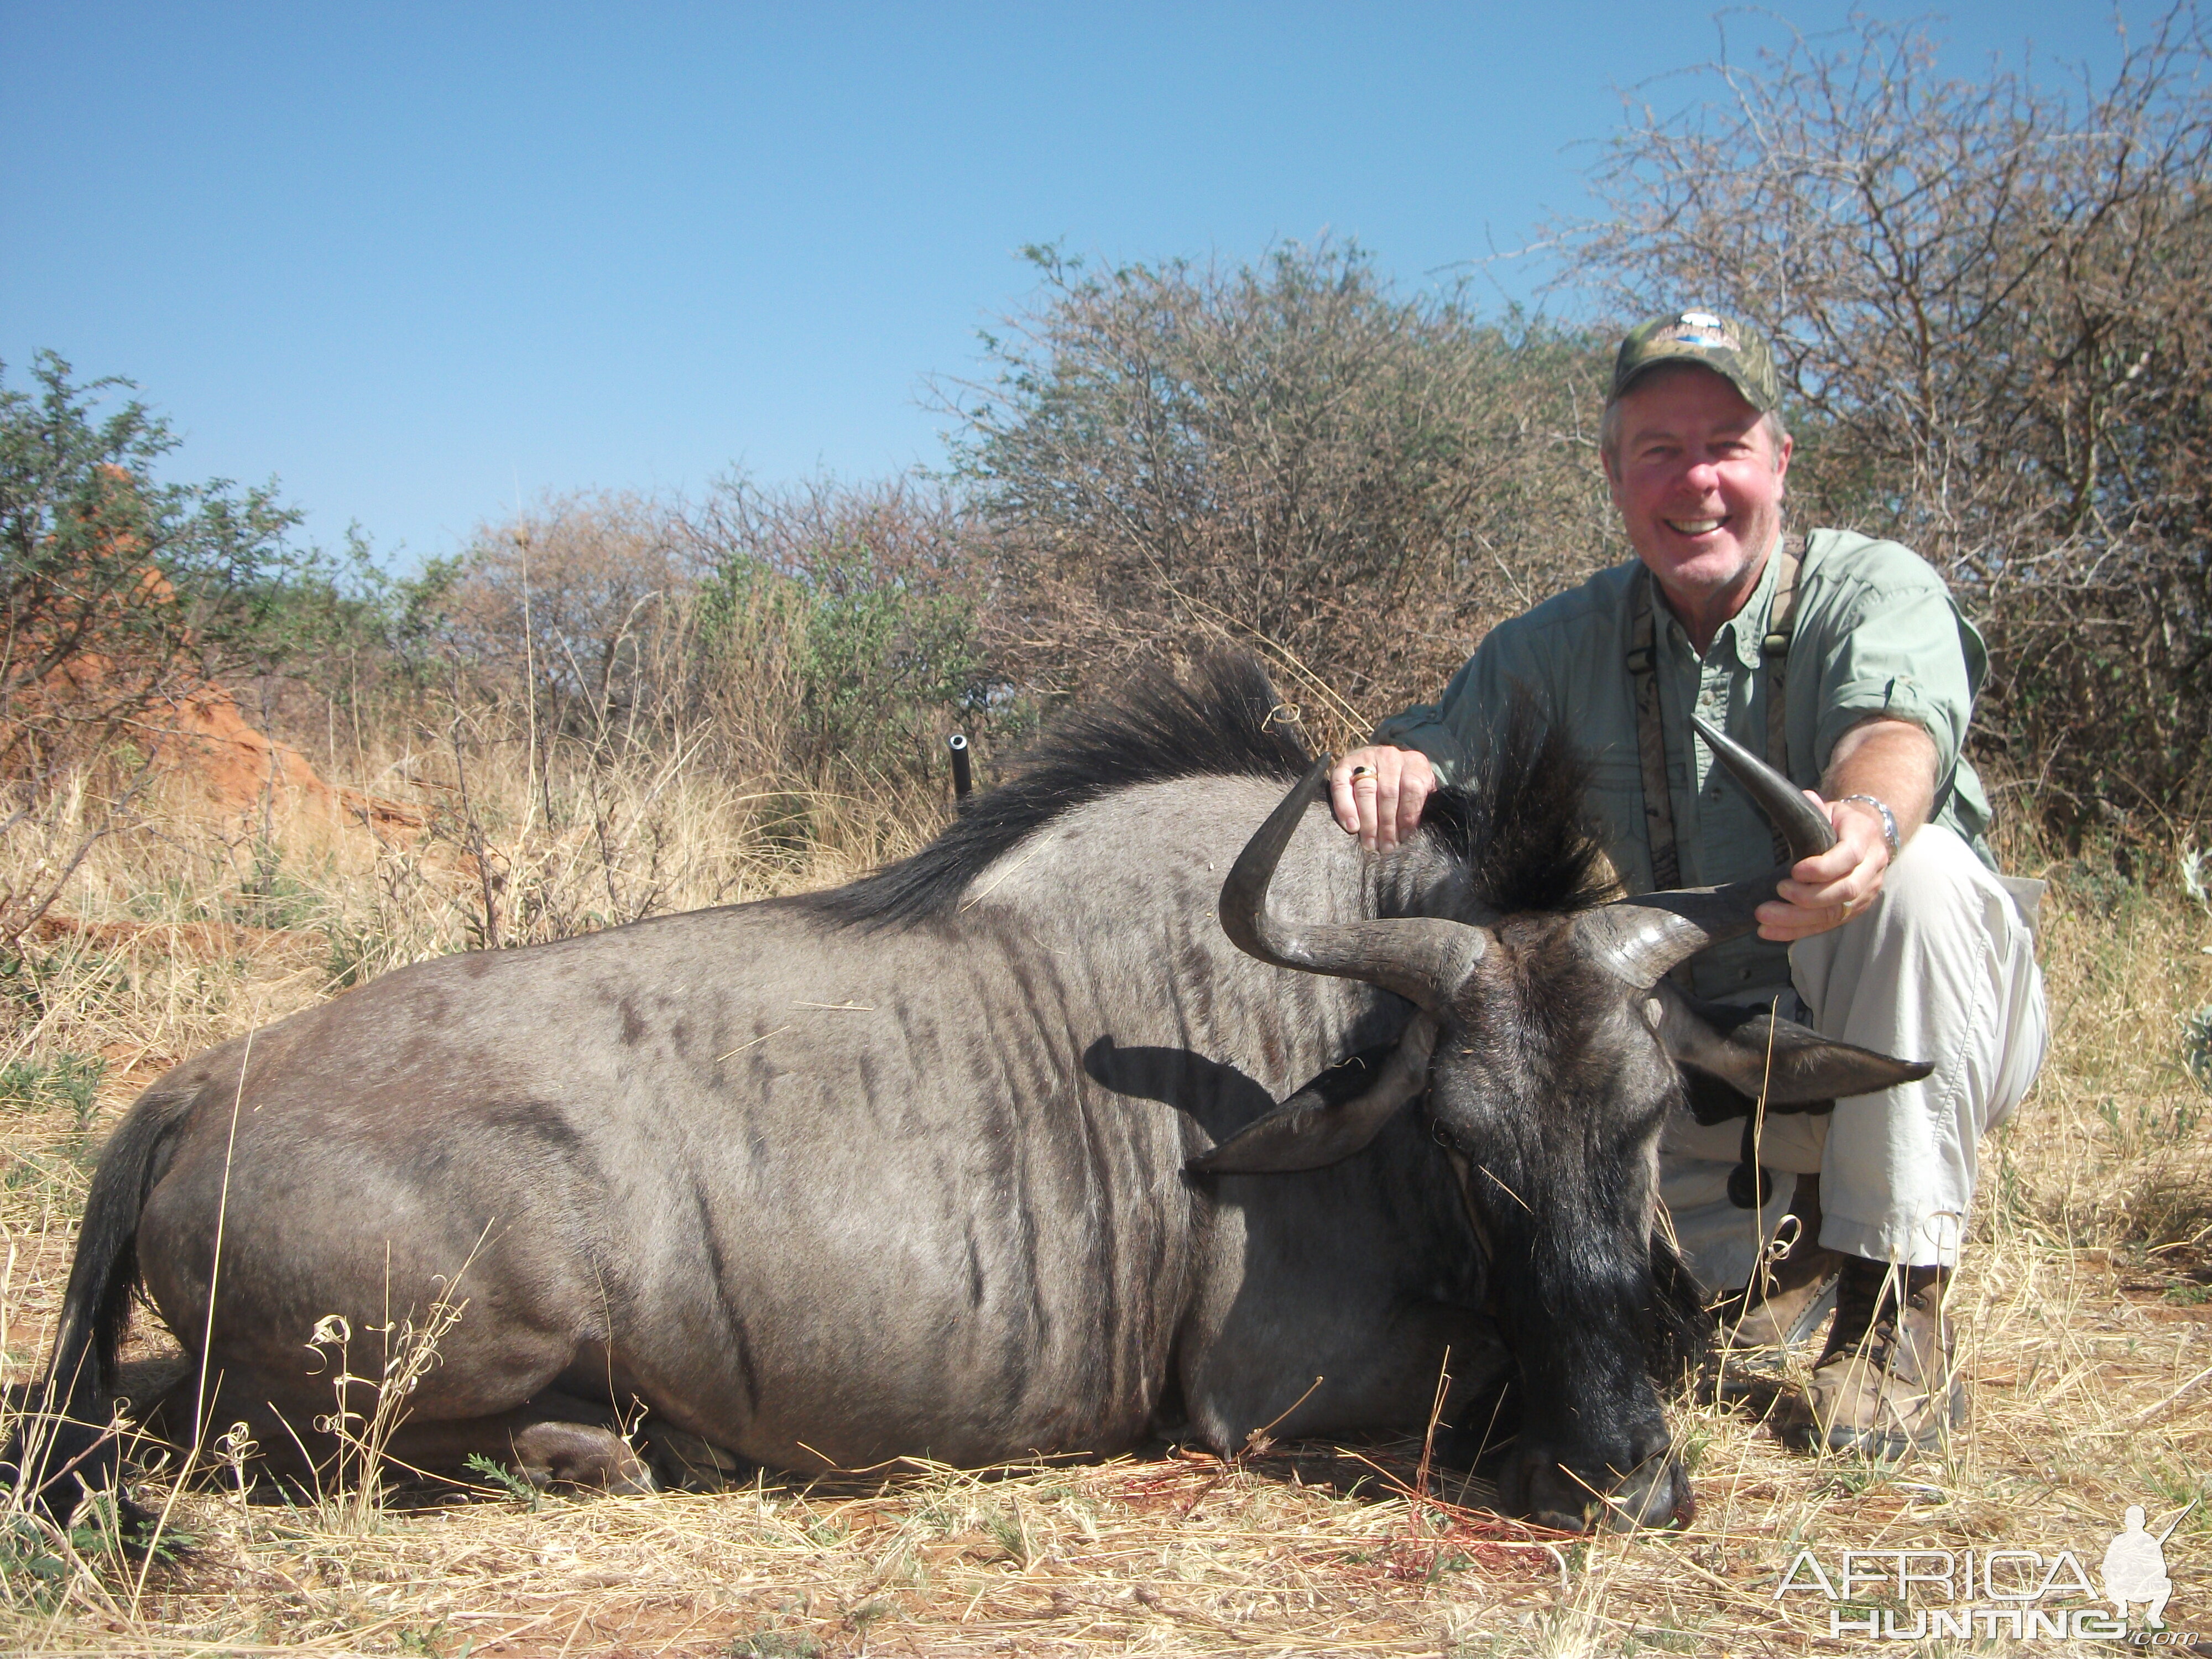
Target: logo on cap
1702 328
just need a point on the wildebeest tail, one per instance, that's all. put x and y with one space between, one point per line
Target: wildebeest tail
60 1446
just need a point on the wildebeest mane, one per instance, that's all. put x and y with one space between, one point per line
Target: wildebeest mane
1519 825
1218 717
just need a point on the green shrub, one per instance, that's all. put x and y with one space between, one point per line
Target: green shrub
867 665
67 1079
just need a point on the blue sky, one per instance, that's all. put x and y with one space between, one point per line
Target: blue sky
415 260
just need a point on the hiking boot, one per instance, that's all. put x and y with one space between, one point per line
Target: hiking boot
1791 1290
1885 1384
1787 1314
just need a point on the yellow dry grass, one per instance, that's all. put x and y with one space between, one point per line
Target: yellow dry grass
2088 1338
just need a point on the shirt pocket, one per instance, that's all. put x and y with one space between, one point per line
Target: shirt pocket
1615 805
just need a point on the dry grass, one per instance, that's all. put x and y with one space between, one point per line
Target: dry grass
2087 1335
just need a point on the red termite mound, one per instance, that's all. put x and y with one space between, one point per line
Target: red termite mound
235 767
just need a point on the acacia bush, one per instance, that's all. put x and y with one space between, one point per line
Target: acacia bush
580 604
839 625
817 642
120 596
811 629
116 590
1287 452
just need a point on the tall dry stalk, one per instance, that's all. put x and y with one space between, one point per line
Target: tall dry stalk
353 1498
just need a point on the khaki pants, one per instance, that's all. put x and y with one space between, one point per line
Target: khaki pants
1941 967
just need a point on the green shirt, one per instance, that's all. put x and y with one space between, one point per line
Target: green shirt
1875 632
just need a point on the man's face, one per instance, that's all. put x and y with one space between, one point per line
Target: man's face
1699 484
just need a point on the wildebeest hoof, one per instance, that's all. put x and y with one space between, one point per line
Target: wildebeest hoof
685 1463
579 1455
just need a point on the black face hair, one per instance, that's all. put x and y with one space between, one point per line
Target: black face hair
1518 826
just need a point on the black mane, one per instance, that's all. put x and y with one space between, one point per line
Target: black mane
1518 827
1221 717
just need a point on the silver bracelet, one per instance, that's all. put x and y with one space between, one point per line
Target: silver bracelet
1888 820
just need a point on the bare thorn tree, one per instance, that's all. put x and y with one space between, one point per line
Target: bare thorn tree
1992 300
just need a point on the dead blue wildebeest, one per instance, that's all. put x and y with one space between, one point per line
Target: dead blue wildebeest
979 1157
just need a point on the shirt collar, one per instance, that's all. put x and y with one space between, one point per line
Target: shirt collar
1749 629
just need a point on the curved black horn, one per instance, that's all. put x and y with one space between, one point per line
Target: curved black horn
1424 959
1804 826
1640 938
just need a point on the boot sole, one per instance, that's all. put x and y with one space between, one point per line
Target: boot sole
1796 1334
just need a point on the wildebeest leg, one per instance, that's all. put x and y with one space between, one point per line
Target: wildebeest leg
575 1453
553 1437
690 1462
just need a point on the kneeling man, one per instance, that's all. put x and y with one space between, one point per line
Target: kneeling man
1846 662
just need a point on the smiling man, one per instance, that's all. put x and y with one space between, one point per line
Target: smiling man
1844 660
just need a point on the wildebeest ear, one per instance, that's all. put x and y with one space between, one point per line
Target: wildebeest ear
1753 1051
1319 1125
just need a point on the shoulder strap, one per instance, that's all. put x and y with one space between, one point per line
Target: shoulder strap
1651 739
1774 646
1650 735
1774 652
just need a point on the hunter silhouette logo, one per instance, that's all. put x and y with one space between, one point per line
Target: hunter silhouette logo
2135 1568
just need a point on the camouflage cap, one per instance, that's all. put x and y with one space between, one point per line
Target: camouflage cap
1721 343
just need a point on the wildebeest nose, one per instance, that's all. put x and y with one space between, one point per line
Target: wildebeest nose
1657 1494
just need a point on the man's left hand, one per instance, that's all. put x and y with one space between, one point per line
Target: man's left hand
1827 891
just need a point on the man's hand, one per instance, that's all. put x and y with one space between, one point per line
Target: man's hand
1377 793
1891 760
1827 891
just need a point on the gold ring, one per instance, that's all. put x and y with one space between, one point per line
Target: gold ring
1357 772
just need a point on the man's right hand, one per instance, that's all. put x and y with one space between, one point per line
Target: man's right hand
1377 793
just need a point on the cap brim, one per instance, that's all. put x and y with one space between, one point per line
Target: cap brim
1691 360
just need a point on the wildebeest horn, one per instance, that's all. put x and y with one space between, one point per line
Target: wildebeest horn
1640 938
1804 826
1423 959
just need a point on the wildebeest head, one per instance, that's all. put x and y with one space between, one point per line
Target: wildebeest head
1552 1044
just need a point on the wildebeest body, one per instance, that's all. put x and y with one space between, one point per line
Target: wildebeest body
965 1161
816 1192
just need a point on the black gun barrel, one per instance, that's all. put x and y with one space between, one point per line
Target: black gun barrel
963 781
